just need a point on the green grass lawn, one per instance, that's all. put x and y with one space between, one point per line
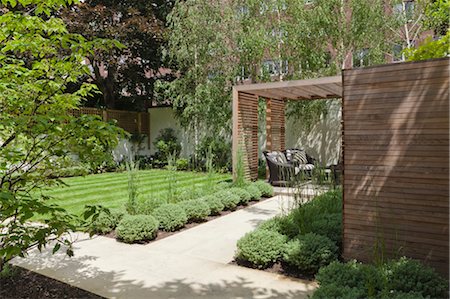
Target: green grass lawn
111 189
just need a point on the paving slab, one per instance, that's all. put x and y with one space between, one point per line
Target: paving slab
190 264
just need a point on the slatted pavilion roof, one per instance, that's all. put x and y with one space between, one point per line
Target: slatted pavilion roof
307 89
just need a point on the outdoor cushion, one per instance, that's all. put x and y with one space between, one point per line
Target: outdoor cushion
306 166
300 157
281 158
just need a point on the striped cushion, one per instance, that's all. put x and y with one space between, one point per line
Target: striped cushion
281 158
306 167
300 157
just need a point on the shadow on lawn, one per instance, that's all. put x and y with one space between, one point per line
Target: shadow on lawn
81 272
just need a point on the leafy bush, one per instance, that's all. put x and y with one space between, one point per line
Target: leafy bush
182 164
147 206
366 278
244 196
166 144
336 291
134 228
265 188
254 191
310 252
196 210
329 225
261 247
407 275
105 222
228 199
191 193
215 204
171 217
220 149
280 224
222 185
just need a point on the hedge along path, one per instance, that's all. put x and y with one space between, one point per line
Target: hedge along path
111 189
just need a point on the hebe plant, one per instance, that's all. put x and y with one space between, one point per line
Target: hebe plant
196 210
171 217
135 228
261 248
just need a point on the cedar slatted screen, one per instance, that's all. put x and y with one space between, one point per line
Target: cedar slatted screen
396 161
275 125
130 121
247 132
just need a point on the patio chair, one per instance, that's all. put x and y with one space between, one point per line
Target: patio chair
283 170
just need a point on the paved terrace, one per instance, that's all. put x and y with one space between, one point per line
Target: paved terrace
191 264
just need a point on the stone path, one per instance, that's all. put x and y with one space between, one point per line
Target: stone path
190 264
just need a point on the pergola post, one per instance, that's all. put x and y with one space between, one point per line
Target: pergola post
275 125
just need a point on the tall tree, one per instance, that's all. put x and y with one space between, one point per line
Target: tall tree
39 59
125 76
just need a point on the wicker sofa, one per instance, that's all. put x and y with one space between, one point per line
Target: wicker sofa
285 165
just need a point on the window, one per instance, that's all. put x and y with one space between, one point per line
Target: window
405 8
361 58
397 52
274 68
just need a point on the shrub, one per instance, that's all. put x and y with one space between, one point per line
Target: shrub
134 228
329 225
196 210
265 188
228 199
254 192
366 278
189 194
167 144
147 206
171 217
261 248
215 204
105 222
244 196
407 275
182 164
310 252
336 291
222 185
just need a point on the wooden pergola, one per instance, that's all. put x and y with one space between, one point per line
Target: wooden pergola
395 129
245 113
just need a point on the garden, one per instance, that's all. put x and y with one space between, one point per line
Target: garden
59 176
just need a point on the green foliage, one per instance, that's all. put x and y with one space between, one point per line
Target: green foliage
135 228
329 225
182 164
336 291
265 188
254 191
214 203
244 196
191 193
7 272
310 252
437 16
401 278
276 224
228 199
430 49
218 148
196 210
40 61
353 275
147 206
131 205
167 144
239 175
171 217
106 222
406 275
261 248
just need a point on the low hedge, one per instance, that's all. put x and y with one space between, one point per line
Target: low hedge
105 222
196 210
265 188
228 199
329 225
310 252
254 191
261 248
244 196
146 207
135 228
215 204
171 217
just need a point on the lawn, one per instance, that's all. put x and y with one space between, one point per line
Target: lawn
111 189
